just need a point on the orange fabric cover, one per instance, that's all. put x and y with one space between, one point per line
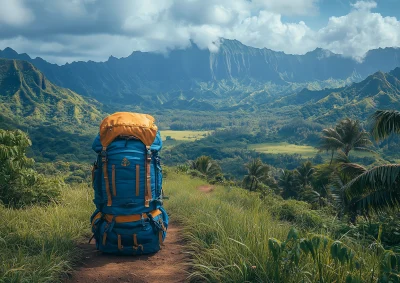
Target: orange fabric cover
129 124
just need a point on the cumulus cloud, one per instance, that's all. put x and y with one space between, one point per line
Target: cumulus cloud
359 31
63 31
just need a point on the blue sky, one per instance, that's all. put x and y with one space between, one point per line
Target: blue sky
63 31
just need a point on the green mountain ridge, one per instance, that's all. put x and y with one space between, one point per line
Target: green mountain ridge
60 122
359 100
28 98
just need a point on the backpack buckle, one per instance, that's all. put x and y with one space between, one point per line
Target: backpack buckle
110 225
148 151
103 153
155 223
142 220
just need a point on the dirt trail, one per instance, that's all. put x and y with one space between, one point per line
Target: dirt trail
206 188
165 266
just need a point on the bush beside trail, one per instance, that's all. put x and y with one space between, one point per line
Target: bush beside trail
20 185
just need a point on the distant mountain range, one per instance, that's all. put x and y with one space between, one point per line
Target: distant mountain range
28 98
235 75
359 100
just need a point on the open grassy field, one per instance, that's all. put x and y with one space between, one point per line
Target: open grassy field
305 150
184 135
285 148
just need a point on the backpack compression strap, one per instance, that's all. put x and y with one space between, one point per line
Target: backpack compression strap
105 173
130 218
148 195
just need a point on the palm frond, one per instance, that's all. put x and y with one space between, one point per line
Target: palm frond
378 201
341 157
360 148
375 179
352 170
385 123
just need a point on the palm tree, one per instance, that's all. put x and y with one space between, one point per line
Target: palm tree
311 196
378 188
206 165
344 172
346 136
289 184
257 173
305 173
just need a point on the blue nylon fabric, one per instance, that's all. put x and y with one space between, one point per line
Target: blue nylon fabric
125 155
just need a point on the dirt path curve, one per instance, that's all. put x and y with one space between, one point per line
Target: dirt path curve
165 266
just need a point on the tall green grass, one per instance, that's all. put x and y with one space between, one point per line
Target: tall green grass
38 244
230 234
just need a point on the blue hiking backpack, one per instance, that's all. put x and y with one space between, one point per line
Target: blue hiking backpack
127 182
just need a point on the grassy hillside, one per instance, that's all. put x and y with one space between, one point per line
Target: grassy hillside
233 237
38 244
228 232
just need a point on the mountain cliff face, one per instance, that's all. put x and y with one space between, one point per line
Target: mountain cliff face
229 76
27 97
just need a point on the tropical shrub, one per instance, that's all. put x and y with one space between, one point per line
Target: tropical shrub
286 256
206 166
20 185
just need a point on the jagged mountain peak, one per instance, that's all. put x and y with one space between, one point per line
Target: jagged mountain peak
321 53
9 51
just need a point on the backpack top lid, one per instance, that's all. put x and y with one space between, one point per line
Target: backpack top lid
127 123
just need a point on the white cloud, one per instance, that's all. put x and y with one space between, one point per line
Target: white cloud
63 31
267 30
14 13
364 5
359 31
